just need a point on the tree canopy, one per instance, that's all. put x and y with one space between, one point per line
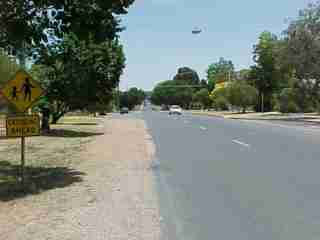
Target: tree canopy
132 98
172 92
78 75
241 94
301 53
219 72
187 76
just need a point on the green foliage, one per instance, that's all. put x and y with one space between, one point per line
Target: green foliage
287 101
243 75
24 21
241 94
202 97
79 75
265 75
220 71
172 93
301 53
132 98
187 76
219 98
8 68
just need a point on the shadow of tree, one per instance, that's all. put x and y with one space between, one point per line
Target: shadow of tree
70 133
38 179
77 124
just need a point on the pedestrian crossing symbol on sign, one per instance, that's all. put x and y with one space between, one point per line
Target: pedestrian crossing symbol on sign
22 91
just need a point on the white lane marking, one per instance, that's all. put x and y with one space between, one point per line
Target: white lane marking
203 128
241 143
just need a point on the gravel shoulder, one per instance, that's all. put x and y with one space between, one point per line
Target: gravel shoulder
114 198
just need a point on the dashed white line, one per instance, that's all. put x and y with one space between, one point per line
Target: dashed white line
203 128
241 143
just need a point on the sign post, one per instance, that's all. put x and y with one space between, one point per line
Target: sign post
23 126
23 144
22 92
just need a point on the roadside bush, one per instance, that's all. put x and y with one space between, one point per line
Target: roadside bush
292 107
242 95
287 101
221 103
219 99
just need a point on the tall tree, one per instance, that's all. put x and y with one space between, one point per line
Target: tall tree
265 74
221 71
302 53
78 75
187 76
27 26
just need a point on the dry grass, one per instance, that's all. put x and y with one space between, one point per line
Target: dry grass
49 158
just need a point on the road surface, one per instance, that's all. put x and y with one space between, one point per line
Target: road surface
230 179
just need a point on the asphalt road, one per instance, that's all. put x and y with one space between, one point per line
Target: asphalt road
229 179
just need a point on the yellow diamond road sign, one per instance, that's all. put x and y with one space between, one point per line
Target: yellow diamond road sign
22 91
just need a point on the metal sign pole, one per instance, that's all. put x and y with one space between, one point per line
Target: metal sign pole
23 142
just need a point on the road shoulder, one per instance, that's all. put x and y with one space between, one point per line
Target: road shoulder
116 198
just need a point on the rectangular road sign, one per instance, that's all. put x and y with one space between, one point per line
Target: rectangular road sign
23 126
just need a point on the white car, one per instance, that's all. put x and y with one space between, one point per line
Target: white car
175 109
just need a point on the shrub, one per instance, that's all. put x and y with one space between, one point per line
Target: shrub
287 101
219 99
240 94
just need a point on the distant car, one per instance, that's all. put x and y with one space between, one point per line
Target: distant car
165 108
175 109
124 110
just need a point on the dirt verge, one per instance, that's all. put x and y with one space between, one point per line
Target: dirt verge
112 198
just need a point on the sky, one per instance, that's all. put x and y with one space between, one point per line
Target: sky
158 39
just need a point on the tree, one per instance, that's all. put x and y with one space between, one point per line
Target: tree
301 53
287 101
187 76
219 98
35 22
202 97
241 94
221 71
132 98
79 75
204 84
243 74
172 92
8 68
265 75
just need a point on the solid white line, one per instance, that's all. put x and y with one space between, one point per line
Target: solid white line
203 128
241 143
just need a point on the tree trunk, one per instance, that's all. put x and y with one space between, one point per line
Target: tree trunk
45 125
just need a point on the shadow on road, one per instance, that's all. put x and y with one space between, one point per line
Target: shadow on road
38 179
